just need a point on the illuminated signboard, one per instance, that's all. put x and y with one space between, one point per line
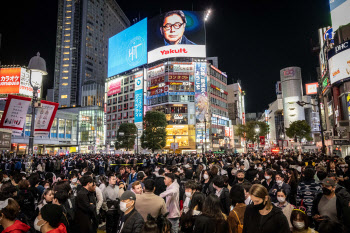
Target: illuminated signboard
213 67
156 71
114 87
311 88
176 34
182 68
138 109
128 49
179 77
339 62
16 81
200 87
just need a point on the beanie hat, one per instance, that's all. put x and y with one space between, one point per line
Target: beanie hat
52 214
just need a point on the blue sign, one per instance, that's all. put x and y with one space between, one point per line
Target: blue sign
128 49
335 3
138 108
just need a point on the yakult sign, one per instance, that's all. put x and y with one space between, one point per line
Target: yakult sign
176 51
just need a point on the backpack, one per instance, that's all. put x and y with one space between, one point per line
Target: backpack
239 226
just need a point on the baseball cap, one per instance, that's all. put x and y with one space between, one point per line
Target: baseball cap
328 182
128 195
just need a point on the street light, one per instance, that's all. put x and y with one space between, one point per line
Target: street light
257 130
282 137
37 68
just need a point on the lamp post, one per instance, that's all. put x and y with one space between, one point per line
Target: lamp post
257 130
37 68
282 137
205 132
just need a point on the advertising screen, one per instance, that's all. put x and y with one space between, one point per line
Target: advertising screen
114 87
339 62
201 95
339 13
176 34
138 97
311 88
10 80
128 49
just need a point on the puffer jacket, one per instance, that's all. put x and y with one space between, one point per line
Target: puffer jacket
17 227
132 222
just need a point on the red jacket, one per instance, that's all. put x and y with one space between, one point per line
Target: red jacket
60 229
17 227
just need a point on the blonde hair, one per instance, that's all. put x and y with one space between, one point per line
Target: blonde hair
261 192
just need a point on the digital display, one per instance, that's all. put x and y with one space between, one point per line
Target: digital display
128 49
339 13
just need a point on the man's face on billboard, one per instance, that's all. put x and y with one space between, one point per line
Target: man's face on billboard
173 29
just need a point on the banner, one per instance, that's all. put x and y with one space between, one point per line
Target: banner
179 77
114 87
201 95
15 114
262 140
44 118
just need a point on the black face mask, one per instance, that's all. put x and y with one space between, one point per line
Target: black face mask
260 206
326 191
240 179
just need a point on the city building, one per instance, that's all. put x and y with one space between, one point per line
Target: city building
83 30
236 112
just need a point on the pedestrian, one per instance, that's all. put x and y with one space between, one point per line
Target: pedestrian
86 216
236 216
285 206
171 194
212 219
195 209
49 220
300 221
131 220
149 203
263 216
9 210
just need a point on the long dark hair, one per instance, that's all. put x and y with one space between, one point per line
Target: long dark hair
186 219
212 209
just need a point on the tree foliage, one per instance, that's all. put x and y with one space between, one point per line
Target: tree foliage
154 133
299 130
248 131
126 141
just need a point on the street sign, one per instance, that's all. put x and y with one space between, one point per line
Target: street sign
341 142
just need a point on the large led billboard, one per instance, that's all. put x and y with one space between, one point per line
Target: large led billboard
176 34
339 13
339 62
128 49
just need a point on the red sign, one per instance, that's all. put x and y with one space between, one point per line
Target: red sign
262 140
157 80
179 77
227 131
10 80
159 90
114 87
311 88
275 150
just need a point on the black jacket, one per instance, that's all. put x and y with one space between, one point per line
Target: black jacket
86 216
159 185
204 224
275 221
132 222
225 201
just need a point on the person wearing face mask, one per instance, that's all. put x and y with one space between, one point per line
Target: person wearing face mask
195 209
268 182
206 182
263 216
282 203
131 220
9 210
86 215
300 222
49 220
236 216
331 204
280 184
189 190
240 178
222 193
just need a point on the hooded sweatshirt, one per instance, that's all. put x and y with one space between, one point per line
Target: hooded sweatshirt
17 227
60 229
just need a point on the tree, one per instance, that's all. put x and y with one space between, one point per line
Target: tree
154 133
299 130
126 135
248 131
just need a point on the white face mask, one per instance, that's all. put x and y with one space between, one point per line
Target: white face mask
259 168
267 177
281 199
123 207
36 226
196 212
279 182
74 180
188 194
299 225
157 169
205 176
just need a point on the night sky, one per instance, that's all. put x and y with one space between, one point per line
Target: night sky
253 39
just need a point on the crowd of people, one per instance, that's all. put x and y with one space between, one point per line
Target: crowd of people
206 193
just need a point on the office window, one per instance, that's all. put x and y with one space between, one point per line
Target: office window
65 59
64 96
65 65
65 52
64 77
64 84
